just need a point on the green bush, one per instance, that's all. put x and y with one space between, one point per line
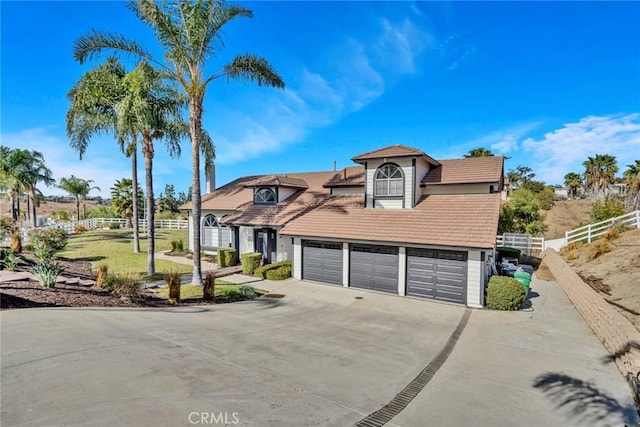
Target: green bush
242 292
114 226
177 246
47 241
261 272
230 257
505 293
123 285
8 260
222 259
47 273
509 252
610 208
280 273
6 225
250 261
100 212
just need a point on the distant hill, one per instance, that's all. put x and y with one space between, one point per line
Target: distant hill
566 215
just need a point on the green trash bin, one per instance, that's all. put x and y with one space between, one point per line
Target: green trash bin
524 278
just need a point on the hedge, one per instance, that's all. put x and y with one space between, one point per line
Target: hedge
261 272
505 293
250 261
222 259
280 273
230 257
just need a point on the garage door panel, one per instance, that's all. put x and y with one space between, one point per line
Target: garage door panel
374 267
322 261
436 274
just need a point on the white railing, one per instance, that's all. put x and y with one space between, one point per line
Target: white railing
593 231
92 223
525 242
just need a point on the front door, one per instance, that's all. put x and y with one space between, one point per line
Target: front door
266 244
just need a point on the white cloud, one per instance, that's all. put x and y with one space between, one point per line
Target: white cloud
563 150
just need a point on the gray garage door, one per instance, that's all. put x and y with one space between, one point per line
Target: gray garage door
374 267
322 261
439 275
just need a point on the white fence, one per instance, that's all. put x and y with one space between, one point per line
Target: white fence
593 231
525 242
91 223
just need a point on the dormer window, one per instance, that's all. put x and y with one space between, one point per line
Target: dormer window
389 181
264 196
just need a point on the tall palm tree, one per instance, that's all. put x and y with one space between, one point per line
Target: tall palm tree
190 32
75 187
599 175
573 182
86 189
122 197
632 179
479 152
36 172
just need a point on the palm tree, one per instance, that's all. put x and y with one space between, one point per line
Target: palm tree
122 197
75 187
190 34
573 182
479 152
599 175
632 179
86 189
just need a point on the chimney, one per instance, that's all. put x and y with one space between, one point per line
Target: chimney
334 165
345 173
210 178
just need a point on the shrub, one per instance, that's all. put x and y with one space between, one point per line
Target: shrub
15 242
571 255
173 281
47 241
209 287
242 292
599 247
261 272
101 212
279 273
230 257
610 208
250 261
47 273
103 270
611 234
6 226
114 226
123 285
573 246
505 293
177 246
8 260
222 259
80 228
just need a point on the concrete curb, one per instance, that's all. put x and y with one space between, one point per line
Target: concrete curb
619 337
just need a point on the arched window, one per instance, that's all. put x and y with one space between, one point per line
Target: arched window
210 231
265 196
210 221
389 181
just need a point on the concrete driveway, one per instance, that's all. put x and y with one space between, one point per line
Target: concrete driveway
316 357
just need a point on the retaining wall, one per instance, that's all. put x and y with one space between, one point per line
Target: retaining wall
620 338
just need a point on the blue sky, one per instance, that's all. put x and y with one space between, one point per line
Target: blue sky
546 83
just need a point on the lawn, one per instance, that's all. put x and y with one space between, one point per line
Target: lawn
188 291
115 248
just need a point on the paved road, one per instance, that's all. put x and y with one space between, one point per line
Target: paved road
318 356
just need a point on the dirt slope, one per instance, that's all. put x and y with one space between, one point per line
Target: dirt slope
46 208
566 215
619 269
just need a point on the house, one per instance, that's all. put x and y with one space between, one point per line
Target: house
399 222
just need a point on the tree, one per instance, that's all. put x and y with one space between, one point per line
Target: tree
599 175
631 177
573 183
479 152
190 34
21 171
520 176
77 188
132 104
122 199
86 189
522 214
168 201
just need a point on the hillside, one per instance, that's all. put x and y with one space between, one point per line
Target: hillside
618 270
46 208
566 215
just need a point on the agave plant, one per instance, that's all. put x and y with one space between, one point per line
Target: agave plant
47 273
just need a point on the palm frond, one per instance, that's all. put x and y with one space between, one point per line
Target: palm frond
91 45
253 68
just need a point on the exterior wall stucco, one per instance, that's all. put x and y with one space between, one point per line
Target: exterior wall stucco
409 186
348 191
284 250
297 258
246 240
475 279
459 189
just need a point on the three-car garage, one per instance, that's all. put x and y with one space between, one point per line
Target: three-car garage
428 273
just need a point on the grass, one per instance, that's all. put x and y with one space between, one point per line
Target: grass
188 291
115 248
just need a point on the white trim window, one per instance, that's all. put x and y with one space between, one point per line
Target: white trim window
389 181
265 196
210 231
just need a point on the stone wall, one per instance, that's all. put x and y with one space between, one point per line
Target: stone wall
620 338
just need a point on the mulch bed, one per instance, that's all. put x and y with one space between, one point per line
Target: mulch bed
30 294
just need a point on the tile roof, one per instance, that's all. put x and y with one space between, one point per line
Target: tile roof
466 171
272 215
393 151
468 220
348 177
277 180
